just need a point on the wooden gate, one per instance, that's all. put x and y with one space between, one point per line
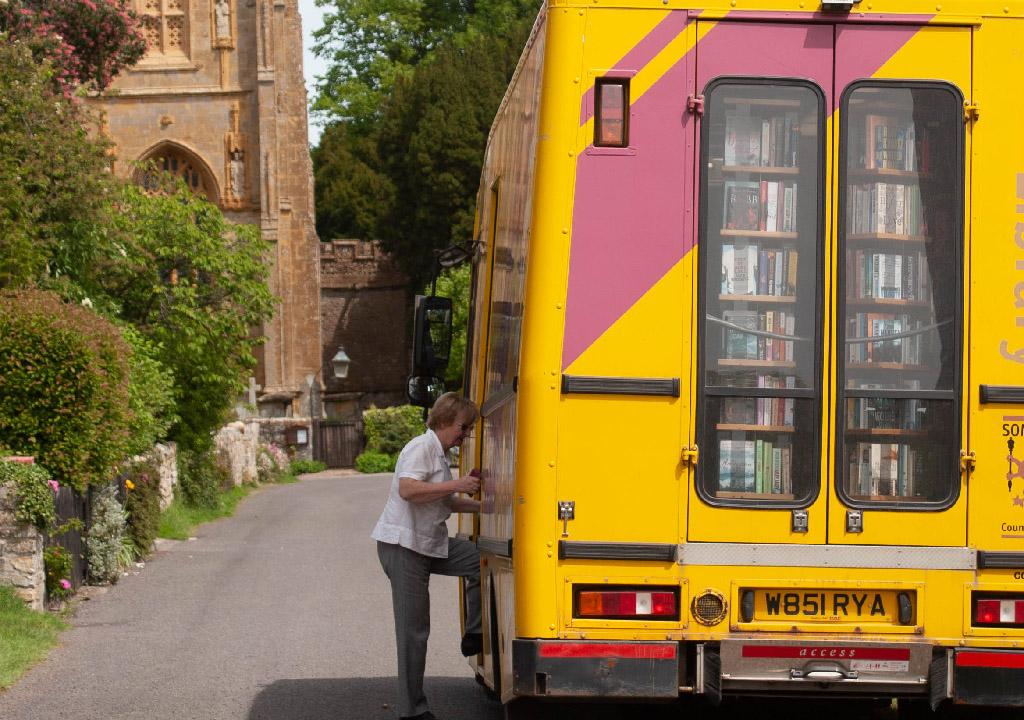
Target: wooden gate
336 443
73 506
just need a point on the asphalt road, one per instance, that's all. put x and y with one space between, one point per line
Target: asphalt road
283 613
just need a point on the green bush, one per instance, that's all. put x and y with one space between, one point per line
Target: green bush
387 430
105 541
301 467
57 564
150 393
201 479
33 493
142 502
375 462
64 395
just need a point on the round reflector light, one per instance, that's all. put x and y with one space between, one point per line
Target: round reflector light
709 607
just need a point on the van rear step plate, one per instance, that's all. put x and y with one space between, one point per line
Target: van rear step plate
749 664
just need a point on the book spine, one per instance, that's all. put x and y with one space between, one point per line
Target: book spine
776 470
749 465
759 467
725 464
772 211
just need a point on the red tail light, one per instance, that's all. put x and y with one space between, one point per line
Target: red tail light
626 604
1000 611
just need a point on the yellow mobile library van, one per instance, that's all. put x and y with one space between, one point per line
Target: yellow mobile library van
748 338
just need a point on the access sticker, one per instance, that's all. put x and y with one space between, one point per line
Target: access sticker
880 665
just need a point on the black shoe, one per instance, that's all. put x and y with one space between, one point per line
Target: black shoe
422 716
472 644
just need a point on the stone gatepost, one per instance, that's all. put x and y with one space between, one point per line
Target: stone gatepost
21 554
238 445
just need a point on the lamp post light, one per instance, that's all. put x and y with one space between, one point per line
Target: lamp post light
340 362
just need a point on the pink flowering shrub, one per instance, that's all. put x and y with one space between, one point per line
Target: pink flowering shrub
88 42
271 462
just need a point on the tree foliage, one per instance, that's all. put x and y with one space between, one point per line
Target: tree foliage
370 44
432 140
410 180
350 188
195 286
455 284
51 193
87 42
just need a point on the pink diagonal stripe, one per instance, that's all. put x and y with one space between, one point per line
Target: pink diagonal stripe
642 53
630 225
864 50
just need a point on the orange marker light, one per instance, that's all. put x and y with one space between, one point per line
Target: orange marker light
611 124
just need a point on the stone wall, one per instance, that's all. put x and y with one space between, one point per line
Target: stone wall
237 445
278 430
21 554
366 307
166 457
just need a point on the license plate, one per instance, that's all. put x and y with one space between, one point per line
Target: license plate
876 606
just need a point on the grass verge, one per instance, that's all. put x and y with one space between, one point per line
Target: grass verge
179 520
25 636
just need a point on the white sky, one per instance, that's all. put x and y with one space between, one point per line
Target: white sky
312 19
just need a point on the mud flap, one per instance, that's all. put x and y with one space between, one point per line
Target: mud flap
989 677
595 669
709 673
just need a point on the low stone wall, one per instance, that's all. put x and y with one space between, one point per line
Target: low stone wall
276 430
237 445
21 554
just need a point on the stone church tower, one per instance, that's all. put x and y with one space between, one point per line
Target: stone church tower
220 100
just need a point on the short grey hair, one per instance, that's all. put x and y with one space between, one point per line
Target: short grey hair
447 408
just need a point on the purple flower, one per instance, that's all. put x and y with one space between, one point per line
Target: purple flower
54 485
65 584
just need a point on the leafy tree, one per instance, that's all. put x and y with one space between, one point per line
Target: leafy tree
432 141
455 284
195 286
51 193
150 392
88 42
350 189
372 43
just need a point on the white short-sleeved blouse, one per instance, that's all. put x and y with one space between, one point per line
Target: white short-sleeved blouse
419 527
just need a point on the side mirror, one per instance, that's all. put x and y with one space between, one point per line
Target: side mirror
423 390
432 335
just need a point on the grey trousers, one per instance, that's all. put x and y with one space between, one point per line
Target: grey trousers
409 573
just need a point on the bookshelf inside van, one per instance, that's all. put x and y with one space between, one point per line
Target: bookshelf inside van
900 284
760 258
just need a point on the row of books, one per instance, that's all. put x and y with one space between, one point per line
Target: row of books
767 205
884 414
892 208
765 142
905 350
748 346
749 270
758 411
754 466
747 378
885 469
890 144
898 276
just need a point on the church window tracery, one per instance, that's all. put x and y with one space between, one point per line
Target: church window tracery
180 164
165 24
